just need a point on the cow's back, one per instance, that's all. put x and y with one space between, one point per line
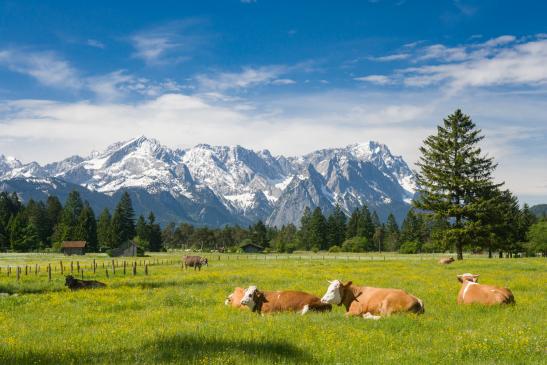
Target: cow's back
484 294
235 298
387 301
288 300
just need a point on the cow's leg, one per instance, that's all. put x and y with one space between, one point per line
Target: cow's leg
354 309
305 309
369 315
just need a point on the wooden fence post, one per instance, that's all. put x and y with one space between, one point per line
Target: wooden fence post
18 273
106 273
9 270
78 266
82 274
71 267
124 267
36 269
145 269
26 270
49 272
113 268
94 266
134 268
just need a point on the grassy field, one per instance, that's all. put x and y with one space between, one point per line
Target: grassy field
171 316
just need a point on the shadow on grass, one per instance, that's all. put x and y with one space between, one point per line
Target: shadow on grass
176 349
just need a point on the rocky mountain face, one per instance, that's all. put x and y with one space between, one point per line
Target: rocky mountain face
218 185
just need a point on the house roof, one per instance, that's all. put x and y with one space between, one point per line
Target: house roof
73 244
252 244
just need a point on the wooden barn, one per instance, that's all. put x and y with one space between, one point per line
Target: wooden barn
251 248
73 247
129 248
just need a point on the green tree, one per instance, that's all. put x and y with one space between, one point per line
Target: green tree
454 177
304 234
104 230
259 234
391 233
87 228
123 221
318 230
537 238
412 229
70 215
336 227
154 234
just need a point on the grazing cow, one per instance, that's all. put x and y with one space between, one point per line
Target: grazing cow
446 260
473 292
76 284
234 299
371 303
282 301
195 261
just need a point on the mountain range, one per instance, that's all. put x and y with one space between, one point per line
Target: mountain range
219 185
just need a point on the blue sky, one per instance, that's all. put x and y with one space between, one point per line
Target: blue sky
284 75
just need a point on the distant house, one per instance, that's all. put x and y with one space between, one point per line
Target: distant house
129 248
73 247
251 248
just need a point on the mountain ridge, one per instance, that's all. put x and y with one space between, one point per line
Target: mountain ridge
217 185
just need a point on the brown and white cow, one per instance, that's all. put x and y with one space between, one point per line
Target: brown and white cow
369 302
282 301
472 292
446 260
234 299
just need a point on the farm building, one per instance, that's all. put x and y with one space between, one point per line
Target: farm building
129 248
251 248
73 247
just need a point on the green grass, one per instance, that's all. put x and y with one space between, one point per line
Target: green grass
172 316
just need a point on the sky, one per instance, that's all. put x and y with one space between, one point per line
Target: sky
288 76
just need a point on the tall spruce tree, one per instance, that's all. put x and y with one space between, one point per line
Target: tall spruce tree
87 228
104 230
304 234
391 233
318 230
123 221
69 217
336 227
154 234
455 177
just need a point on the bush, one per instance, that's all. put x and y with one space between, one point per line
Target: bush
409 247
315 249
355 244
335 249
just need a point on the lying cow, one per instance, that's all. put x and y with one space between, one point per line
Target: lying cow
473 292
282 301
76 284
195 261
371 303
234 299
446 260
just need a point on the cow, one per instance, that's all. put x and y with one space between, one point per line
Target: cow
472 292
195 261
234 299
282 301
76 284
369 302
446 260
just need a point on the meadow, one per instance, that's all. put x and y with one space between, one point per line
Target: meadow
176 316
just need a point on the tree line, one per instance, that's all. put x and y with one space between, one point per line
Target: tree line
43 226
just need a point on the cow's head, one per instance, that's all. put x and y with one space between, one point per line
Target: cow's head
335 292
467 277
69 280
253 298
204 261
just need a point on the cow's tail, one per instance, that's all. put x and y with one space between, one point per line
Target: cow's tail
320 307
418 307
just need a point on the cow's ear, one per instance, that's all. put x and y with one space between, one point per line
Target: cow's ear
349 283
460 278
262 297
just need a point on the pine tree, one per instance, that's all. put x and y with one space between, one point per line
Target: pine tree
87 228
123 221
259 234
355 224
376 220
412 229
304 234
318 230
454 177
104 230
367 225
336 227
392 233
142 231
69 217
154 234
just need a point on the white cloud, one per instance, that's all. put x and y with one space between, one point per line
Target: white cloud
376 79
392 57
522 64
283 82
46 67
170 43
95 43
248 77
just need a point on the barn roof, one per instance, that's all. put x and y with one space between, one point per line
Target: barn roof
252 245
73 244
